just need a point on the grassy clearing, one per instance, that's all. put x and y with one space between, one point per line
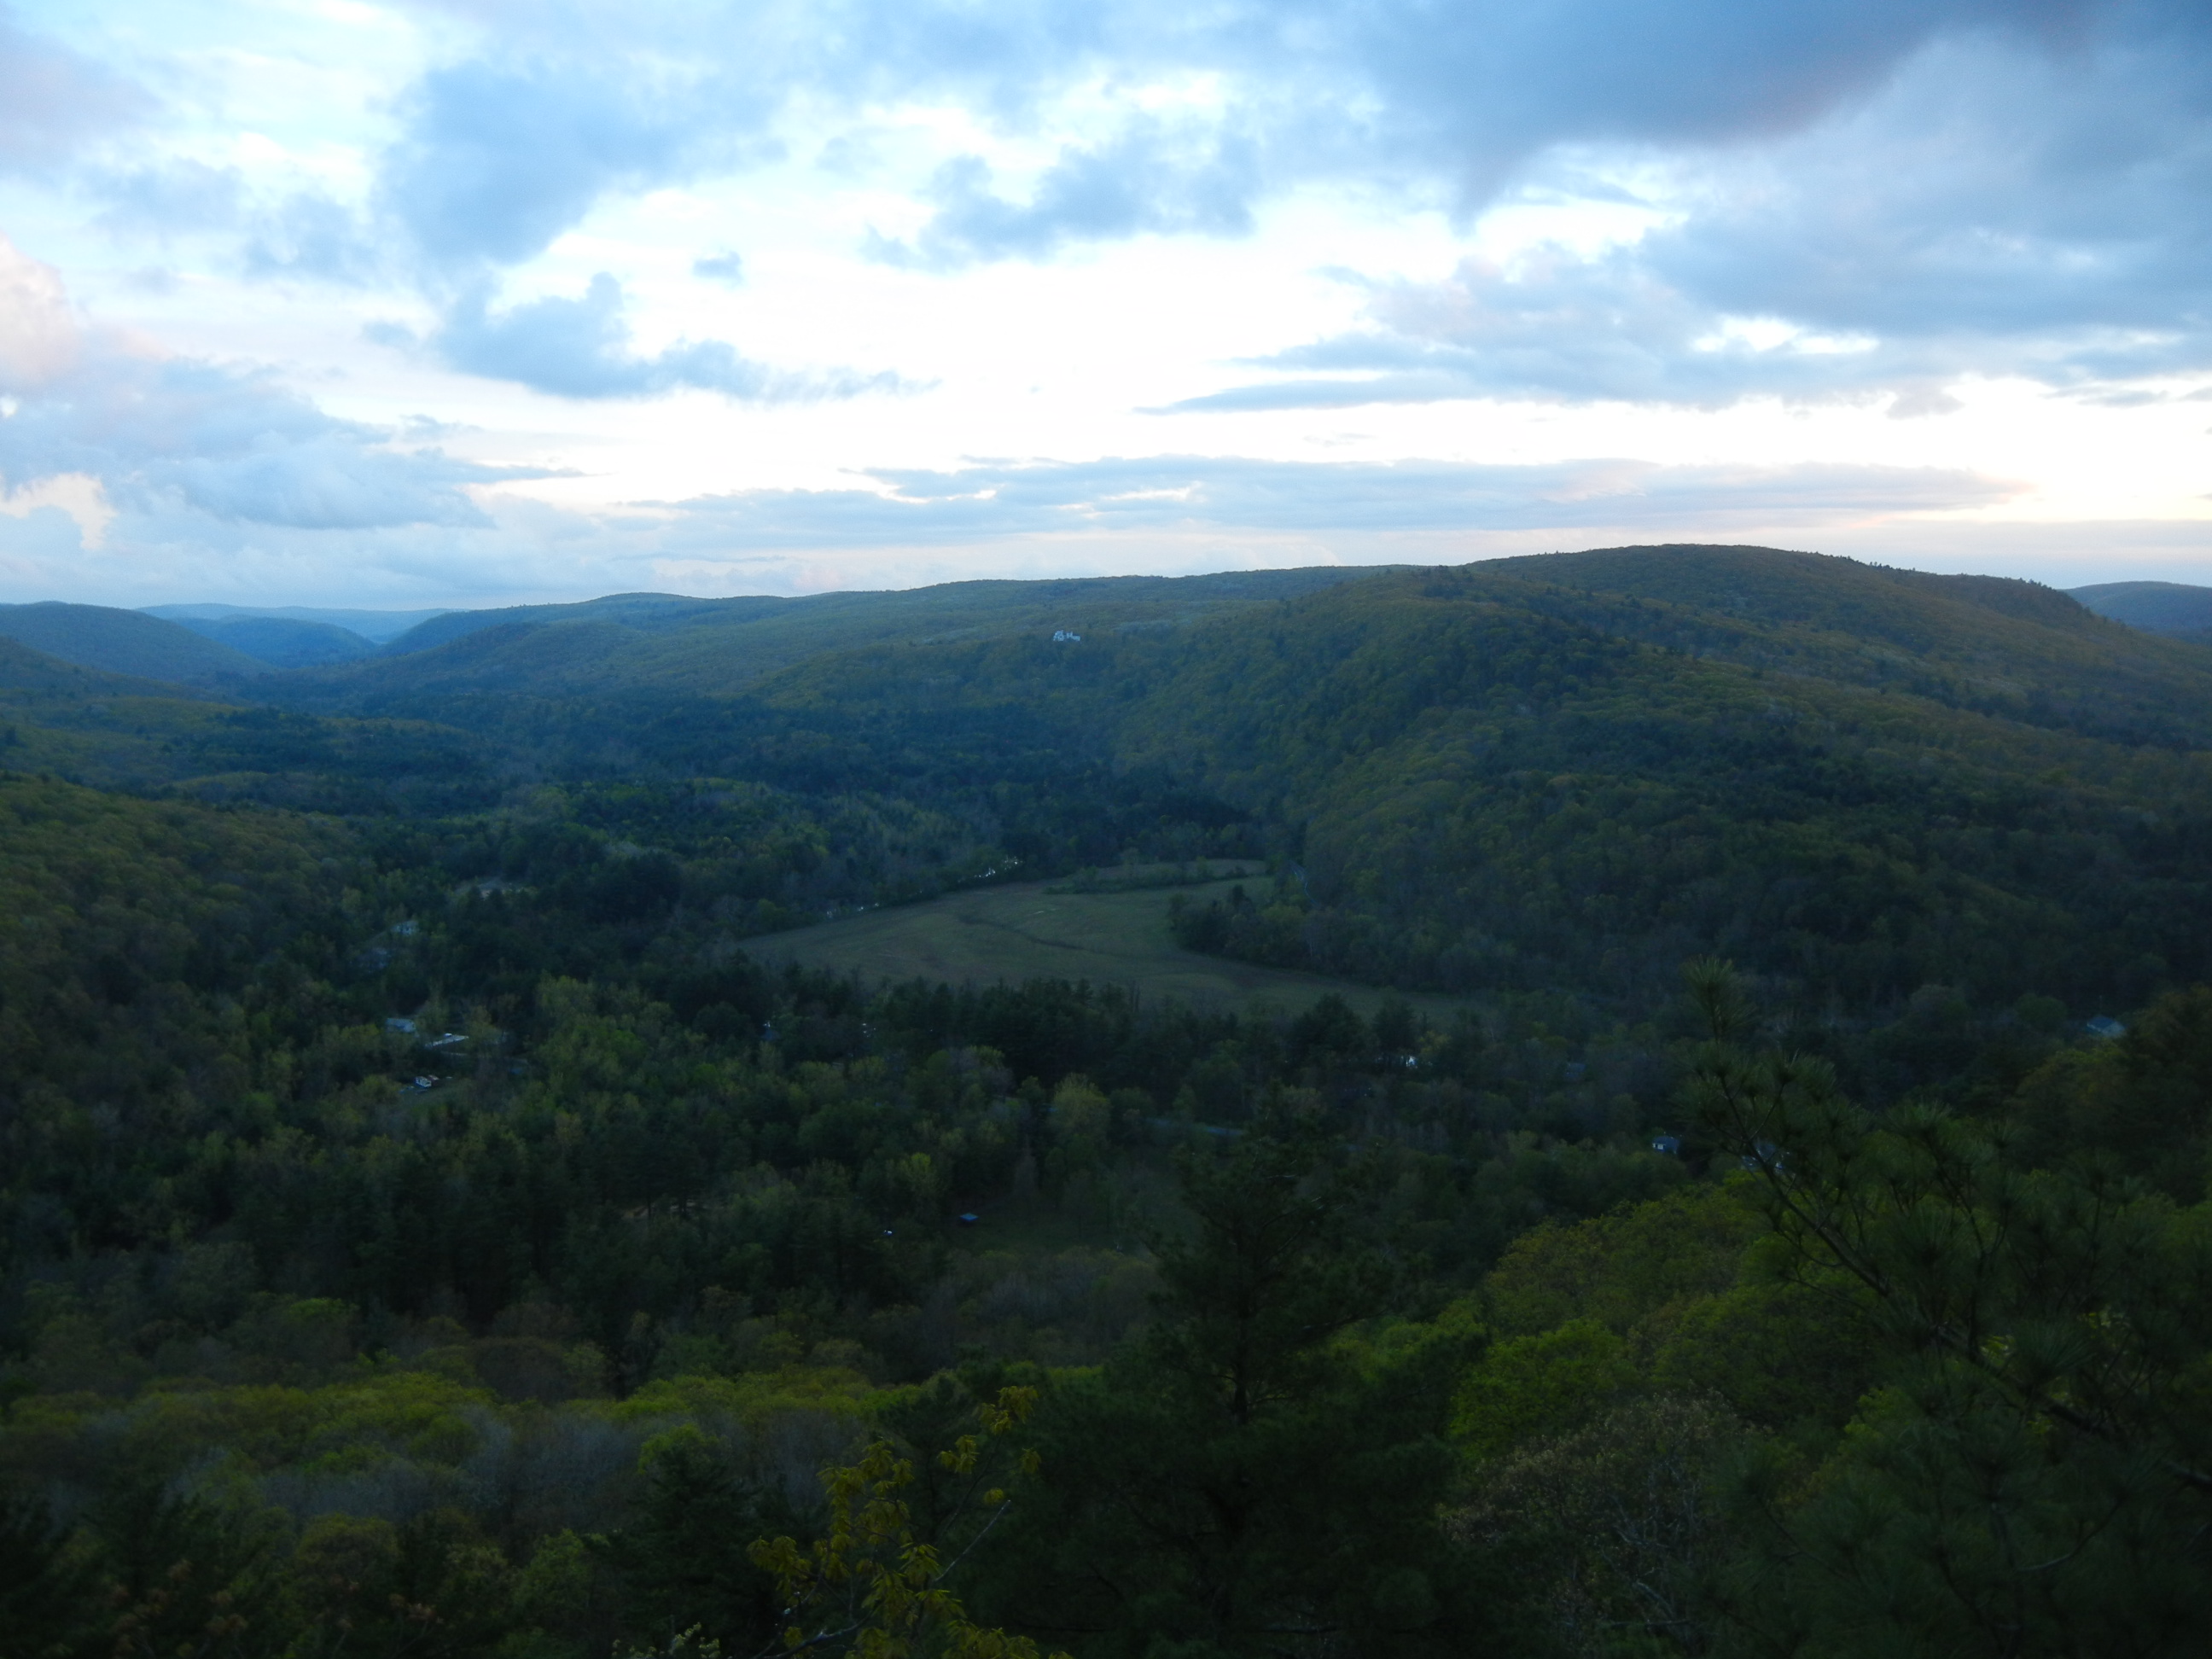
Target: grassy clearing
1027 932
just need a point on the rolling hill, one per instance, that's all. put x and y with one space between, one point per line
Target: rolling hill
283 641
1565 772
715 647
125 642
375 626
117 731
2157 607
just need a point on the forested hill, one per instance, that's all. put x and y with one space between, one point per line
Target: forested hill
683 645
123 642
1854 781
1550 773
2157 607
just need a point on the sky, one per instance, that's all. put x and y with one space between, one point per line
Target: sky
466 302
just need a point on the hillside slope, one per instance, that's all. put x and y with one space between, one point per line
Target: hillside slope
1575 772
1483 792
125 642
2157 607
282 641
1565 772
119 732
718 646
375 626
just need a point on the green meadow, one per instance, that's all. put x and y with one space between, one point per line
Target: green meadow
1040 930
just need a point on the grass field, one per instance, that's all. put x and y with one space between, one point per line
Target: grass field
1026 932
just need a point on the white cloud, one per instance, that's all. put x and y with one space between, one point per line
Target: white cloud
1717 242
38 334
79 495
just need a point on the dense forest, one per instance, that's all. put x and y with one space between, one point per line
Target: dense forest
1767 1216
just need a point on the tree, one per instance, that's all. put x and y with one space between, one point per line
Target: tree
1252 1476
871 1586
2036 1475
43 1589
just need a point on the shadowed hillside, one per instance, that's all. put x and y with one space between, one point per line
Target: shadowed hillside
1571 770
2156 607
375 626
282 641
709 647
115 732
125 642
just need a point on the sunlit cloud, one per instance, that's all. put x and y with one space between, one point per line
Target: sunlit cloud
462 301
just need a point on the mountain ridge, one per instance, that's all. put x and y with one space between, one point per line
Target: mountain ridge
2174 608
125 642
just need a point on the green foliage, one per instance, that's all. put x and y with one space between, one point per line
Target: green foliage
2144 1101
676 1561
1506 780
874 1588
1202 1495
43 1588
1531 1385
122 642
1619 1525
2036 1477
1562 774
424 1229
1625 1266
1272 1269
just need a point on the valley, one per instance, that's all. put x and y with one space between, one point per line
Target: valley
492 1118
1037 930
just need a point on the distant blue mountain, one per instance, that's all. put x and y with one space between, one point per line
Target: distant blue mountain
2154 607
375 626
125 642
283 641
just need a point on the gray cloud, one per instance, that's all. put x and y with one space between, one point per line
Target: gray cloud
1164 513
1477 89
1162 493
1997 208
188 440
2002 185
54 102
1558 328
499 158
169 196
1152 179
309 235
501 152
580 349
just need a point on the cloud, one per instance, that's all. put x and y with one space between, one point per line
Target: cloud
307 233
1996 210
38 330
1555 326
333 482
173 436
1149 179
1161 493
54 102
1963 182
1164 514
579 348
725 267
167 196
504 149
187 438
74 497
499 158
1477 90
